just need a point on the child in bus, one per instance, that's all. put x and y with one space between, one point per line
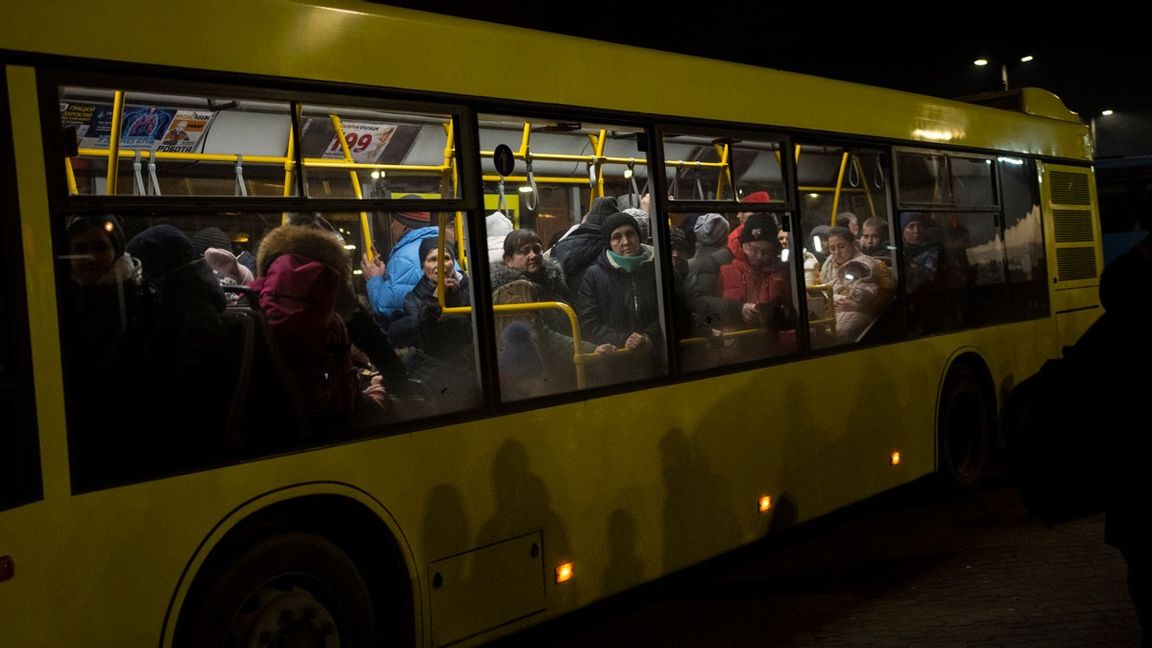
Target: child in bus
874 240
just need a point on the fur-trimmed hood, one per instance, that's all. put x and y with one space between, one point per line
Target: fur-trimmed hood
551 275
316 244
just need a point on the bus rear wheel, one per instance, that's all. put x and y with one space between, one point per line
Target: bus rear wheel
295 589
964 428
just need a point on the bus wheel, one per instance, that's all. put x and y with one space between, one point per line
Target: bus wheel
295 589
964 428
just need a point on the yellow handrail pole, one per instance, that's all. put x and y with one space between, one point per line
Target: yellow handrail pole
864 183
443 218
452 177
797 156
725 171
523 153
839 183
573 321
289 165
365 227
525 136
114 141
73 190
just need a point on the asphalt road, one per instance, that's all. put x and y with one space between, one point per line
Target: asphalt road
914 568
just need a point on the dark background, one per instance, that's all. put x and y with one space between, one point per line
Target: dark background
1093 57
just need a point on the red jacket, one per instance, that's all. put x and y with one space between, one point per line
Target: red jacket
740 281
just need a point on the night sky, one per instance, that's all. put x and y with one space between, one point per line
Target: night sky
930 54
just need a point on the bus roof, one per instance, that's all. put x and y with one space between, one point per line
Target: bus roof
362 43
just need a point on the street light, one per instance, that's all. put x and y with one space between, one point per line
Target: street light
982 62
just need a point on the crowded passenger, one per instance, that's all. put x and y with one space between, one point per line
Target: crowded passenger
437 347
874 240
389 282
301 273
617 301
862 287
109 335
580 247
190 351
922 251
753 290
811 265
496 226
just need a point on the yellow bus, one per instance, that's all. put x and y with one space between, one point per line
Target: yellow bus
177 467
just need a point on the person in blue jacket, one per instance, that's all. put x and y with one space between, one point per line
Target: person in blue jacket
390 282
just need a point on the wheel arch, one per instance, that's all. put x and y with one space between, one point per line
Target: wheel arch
968 358
347 516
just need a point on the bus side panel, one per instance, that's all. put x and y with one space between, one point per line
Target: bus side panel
1072 237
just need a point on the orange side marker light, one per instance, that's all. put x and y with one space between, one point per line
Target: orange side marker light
564 572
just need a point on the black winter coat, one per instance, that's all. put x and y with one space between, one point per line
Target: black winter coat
577 252
614 303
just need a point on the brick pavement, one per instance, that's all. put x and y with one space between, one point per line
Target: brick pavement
910 570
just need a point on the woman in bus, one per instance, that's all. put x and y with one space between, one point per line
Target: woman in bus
526 275
437 348
617 298
861 285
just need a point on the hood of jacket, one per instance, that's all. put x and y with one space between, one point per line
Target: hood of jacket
550 274
308 242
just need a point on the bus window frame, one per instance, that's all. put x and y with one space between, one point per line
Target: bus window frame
21 478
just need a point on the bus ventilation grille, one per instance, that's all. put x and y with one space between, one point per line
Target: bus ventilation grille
1072 226
1076 263
1069 188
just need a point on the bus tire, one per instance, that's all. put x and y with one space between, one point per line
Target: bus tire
964 428
291 589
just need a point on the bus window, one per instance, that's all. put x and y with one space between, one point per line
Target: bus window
849 277
703 167
570 252
177 145
734 301
972 184
373 153
923 178
1023 238
199 340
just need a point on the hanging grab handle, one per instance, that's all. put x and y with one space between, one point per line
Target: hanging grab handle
531 199
241 188
853 175
137 174
878 180
153 181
